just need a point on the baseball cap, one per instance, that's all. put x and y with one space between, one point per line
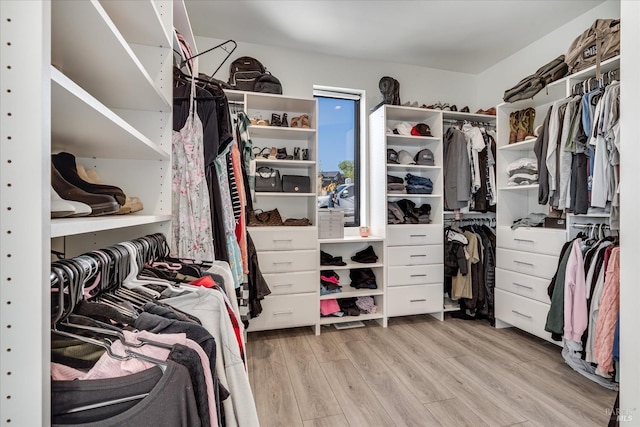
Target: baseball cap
425 157
421 129
402 128
404 158
392 156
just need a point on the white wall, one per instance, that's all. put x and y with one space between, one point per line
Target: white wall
298 71
505 74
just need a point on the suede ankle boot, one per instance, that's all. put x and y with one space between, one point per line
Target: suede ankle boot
65 163
101 204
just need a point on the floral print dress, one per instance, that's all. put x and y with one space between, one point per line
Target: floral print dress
191 229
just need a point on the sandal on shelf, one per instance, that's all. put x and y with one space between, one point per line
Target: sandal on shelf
281 154
254 121
295 122
285 122
273 154
262 122
261 152
275 120
304 121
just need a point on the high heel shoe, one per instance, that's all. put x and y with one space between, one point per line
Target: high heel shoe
275 120
285 122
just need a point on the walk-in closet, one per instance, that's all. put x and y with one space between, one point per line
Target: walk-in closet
319 213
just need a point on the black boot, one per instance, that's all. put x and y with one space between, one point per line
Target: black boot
65 163
101 204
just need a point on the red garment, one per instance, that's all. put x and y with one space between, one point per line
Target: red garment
238 333
205 282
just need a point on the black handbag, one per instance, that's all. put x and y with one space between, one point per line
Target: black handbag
296 184
268 180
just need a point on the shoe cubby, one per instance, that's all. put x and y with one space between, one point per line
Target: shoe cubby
344 249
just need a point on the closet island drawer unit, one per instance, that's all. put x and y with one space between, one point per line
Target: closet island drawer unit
523 284
537 240
286 311
529 263
414 299
415 255
415 275
411 235
523 313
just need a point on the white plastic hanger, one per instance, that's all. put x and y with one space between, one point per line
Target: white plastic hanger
133 282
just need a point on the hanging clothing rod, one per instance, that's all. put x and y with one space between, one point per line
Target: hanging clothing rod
605 226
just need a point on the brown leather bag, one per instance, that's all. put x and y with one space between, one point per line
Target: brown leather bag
300 222
598 43
270 218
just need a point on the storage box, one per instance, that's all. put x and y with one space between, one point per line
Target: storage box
330 224
550 222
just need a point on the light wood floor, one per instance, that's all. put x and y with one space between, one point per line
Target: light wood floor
418 372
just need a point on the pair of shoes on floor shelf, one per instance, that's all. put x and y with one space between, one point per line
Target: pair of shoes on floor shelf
75 195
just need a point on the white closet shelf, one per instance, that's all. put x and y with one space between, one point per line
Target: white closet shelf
608 65
90 50
283 104
182 23
547 95
411 139
526 145
351 239
281 133
139 21
234 95
519 187
344 319
394 167
410 114
83 126
457 115
71 226
286 163
283 194
351 265
411 196
448 309
349 292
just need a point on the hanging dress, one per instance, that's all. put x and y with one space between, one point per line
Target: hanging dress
190 210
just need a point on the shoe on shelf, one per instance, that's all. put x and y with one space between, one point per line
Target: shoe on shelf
454 107
513 126
100 204
273 154
285 122
61 208
465 109
133 204
445 107
281 154
276 120
304 121
65 163
490 112
295 122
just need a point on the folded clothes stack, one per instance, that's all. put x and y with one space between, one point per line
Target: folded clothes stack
418 184
523 171
329 282
363 278
404 211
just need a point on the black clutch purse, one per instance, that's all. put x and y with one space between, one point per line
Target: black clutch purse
268 180
296 184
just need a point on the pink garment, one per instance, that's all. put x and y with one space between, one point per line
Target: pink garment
60 372
576 312
608 316
241 227
331 279
329 306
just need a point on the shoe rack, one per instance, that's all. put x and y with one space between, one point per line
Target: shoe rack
92 78
527 257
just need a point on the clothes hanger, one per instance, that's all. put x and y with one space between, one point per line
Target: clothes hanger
131 281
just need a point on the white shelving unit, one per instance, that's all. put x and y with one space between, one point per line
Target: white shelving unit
414 252
80 79
527 257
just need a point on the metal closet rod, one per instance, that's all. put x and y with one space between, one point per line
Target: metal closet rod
589 225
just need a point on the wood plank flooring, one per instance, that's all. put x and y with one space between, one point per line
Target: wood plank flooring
418 372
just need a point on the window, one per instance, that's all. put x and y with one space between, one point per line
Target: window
339 160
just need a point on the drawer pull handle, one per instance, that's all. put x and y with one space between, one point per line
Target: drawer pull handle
418 235
282 240
418 255
522 314
278 313
282 262
282 285
419 300
418 275
523 240
522 262
523 286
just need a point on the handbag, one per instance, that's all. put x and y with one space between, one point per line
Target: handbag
270 218
296 184
268 179
299 222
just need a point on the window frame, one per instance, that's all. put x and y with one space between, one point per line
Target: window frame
361 160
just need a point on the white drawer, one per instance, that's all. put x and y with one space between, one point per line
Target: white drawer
284 262
541 241
523 284
286 311
293 283
415 255
415 275
284 238
527 263
415 299
521 312
404 235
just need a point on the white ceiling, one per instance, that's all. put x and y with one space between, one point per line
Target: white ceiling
457 35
